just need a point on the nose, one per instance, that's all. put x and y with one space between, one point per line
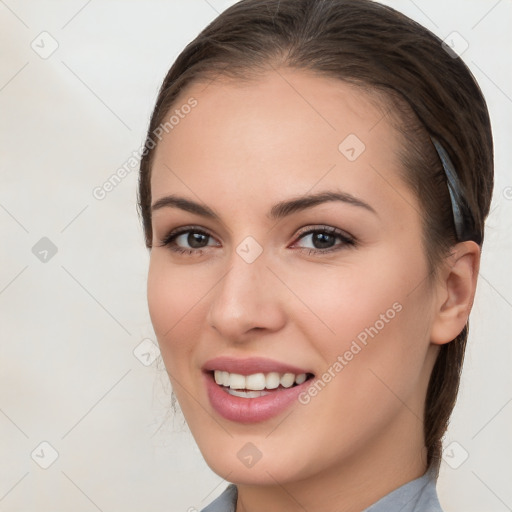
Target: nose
246 300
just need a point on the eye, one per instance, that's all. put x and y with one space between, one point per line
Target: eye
325 239
188 240
322 239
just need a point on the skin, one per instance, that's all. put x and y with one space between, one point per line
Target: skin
242 149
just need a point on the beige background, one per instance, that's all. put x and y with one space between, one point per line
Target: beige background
69 325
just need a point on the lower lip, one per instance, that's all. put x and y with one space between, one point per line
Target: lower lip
251 410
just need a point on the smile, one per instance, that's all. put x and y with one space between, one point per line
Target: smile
253 390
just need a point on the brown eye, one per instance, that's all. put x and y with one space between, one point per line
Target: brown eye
325 239
188 240
195 240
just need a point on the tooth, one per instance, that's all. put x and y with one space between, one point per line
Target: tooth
236 381
255 381
300 378
287 380
258 381
247 394
272 380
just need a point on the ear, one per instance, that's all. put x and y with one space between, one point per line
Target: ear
456 288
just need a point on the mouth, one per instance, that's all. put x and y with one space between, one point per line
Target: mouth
253 390
256 385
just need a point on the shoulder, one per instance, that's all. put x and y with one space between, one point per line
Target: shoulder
226 502
419 495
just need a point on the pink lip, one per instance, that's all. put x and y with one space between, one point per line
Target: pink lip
250 410
250 365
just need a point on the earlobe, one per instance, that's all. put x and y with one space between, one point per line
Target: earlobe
455 292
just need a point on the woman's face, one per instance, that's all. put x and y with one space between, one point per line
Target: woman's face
300 253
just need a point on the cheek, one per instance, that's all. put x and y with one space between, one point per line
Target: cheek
343 302
375 317
175 296
372 363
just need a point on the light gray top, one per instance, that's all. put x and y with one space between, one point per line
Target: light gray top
418 495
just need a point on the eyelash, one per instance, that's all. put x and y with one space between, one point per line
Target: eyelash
347 241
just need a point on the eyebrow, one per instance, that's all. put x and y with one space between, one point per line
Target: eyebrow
278 211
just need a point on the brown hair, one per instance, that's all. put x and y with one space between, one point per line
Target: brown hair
427 90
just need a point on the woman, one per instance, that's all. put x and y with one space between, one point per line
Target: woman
313 190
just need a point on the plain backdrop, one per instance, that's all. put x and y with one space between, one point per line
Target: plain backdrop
85 417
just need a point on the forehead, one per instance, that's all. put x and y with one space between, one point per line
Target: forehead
284 133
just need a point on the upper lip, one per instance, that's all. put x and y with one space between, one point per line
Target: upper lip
249 366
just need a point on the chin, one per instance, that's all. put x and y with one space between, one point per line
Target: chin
243 463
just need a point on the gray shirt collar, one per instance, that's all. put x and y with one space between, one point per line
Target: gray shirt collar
419 495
